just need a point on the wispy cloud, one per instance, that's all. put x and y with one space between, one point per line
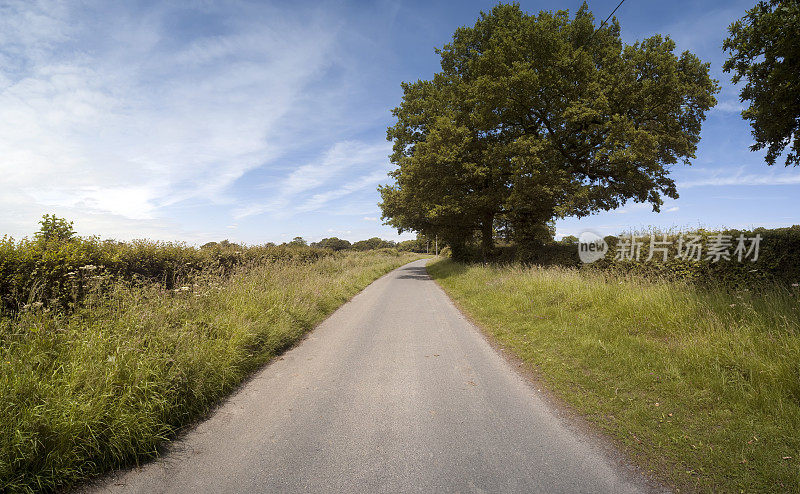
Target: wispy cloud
633 206
101 119
345 168
716 178
701 27
729 106
318 201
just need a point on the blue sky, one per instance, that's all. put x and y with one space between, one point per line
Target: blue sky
260 121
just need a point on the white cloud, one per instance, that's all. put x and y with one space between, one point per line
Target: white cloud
124 118
129 202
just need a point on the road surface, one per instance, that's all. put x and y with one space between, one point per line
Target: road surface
395 392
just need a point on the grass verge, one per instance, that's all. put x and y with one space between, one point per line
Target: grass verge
700 386
85 393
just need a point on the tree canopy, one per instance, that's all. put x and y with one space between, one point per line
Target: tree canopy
298 242
54 229
333 243
373 243
536 117
764 50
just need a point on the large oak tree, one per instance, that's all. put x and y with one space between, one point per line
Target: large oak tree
536 117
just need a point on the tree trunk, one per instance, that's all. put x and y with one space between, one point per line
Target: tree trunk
487 236
531 230
458 249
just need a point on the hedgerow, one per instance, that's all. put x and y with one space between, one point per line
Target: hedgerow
57 272
778 257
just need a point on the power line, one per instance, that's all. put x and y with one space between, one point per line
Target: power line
609 15
607 18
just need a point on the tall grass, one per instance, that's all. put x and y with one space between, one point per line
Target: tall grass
103 386
701 384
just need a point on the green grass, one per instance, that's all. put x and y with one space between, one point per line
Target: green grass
101 388
700 386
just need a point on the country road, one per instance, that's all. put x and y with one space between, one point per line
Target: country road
395 392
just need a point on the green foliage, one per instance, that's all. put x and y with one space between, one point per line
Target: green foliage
225 244
416 245
569 240
332 243
102 387
764 47
373 243
699 384
46 271
54 229
298 241
539 117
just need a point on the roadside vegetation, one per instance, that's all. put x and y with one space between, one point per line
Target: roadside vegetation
699 382
115 362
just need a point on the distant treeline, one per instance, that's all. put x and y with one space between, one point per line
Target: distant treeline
336 244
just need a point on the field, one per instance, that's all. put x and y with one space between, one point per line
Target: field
99 375
701 385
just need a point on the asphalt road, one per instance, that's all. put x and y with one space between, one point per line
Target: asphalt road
395 392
